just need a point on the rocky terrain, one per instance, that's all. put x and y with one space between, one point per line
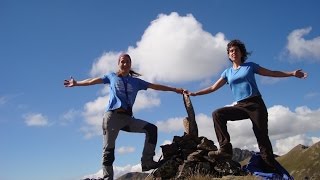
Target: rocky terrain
301 162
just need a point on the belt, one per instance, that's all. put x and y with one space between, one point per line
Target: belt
122 111
250 99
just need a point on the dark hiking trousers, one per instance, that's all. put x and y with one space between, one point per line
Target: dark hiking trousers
254 109
112 124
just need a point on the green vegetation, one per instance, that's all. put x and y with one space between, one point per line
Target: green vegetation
302 162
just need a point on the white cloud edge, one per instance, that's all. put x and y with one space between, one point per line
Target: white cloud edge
35 119
301 49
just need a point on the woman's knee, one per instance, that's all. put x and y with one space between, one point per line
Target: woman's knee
152 132
216 114
151 128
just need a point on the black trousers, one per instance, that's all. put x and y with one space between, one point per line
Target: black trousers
254 109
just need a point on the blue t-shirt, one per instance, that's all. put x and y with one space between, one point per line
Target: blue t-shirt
242 80
117 86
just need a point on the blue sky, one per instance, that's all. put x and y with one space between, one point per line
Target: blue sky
51 132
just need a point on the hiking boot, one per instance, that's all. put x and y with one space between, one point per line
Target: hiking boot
151 164
269 167
196 156
270 170
219 154
207 145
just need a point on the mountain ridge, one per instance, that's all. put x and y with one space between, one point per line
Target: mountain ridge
302 162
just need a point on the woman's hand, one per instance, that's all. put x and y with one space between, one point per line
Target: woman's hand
179 90
70 83
189 93
300 74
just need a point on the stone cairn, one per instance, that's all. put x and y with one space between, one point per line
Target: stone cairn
187 155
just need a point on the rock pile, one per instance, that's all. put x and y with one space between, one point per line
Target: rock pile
187 155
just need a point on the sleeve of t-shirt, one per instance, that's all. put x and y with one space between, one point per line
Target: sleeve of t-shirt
255 67
143 84
224 74
106 78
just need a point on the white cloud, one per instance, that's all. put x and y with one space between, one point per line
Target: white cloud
283 124
205 127
93 111
69 116
283 146
125 149
106 63
145 100
96 175
176 49
164 53
204 123
170 125
299 47
35 119
117 171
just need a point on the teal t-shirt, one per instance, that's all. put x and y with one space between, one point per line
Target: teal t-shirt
242 80
117 86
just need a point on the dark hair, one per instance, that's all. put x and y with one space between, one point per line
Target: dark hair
131 72
242 48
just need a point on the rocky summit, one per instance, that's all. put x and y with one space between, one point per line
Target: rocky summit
188 156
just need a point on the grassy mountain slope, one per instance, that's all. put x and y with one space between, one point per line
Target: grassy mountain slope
302 162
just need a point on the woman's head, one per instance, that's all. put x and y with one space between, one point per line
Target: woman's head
124 56
124 63
241 47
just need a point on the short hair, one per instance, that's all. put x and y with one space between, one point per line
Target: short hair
242 48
